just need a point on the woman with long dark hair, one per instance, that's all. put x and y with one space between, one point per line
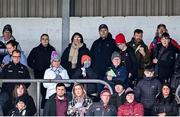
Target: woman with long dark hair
165 104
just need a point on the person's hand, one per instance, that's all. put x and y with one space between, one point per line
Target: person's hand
109 78
2 65
155 60
129 75
141 50
83 71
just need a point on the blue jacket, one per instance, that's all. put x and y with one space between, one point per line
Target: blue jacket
121 75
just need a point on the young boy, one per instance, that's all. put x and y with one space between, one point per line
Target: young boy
118 98
147 89
116 72
20 108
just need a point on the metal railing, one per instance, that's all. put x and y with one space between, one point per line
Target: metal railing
39 81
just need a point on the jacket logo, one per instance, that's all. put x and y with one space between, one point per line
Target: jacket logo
21 72
10 71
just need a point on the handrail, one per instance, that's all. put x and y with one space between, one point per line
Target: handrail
38 81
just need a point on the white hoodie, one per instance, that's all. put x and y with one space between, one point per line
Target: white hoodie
51 73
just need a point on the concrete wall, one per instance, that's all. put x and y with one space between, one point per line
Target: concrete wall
88 26
27 31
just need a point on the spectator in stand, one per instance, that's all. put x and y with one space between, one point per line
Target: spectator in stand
165 104
128 59
141 51
20 108
4 98
147 89
102 108
57 104
101 52
80 102
71 57
117 72
20 91
11 46
86 72
130 107
39 60
14 70
161 28
118 98
56 71
7 36
164 59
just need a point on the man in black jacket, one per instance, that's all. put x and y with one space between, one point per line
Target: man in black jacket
57 104
39 60
101 52
164 58
14 70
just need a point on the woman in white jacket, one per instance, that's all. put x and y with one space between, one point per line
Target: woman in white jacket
56 71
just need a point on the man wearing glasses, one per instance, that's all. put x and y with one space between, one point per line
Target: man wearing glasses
14 70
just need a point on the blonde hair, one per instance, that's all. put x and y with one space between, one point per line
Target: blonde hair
82 87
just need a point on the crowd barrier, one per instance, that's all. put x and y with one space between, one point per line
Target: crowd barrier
39 81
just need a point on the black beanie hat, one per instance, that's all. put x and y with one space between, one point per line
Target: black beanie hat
7 27
119 83
103 26
21 98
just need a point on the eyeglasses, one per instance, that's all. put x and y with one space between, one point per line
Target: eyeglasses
16 56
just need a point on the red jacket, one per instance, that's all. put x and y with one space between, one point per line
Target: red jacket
131 109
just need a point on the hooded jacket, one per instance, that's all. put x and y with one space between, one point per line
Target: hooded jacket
101 52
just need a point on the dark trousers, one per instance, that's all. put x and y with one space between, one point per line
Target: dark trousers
40 75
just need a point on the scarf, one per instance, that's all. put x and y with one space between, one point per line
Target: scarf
57 71
73 55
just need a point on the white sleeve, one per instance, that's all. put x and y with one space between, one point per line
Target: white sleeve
49 75
65 75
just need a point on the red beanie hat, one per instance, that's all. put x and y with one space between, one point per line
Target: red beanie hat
105 90
85 58
120 38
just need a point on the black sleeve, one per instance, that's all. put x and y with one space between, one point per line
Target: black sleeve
32 106
26 76
3 73
31 59
46 109
91 74
174 111
77 74
64 59
92 52
155 110
138 91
